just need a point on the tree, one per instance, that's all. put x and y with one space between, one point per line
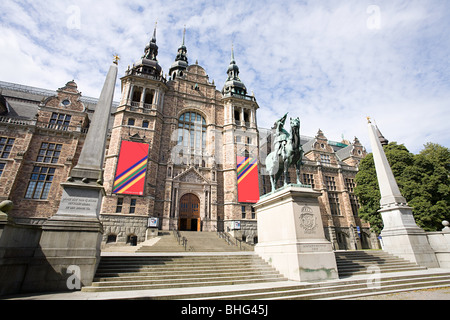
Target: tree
423 179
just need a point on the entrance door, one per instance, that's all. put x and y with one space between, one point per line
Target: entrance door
189 213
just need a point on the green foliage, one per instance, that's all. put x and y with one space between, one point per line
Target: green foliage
423 179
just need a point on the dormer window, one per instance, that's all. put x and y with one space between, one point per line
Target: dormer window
60 120
65 102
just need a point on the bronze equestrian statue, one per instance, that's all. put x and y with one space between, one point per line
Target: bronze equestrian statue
287 151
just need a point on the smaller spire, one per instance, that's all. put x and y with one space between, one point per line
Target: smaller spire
383 140
233 84
154 31
151 50
232 54
181 60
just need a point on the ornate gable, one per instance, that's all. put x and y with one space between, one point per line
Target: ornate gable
191 175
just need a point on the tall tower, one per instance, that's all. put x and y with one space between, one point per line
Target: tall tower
240 139
138 119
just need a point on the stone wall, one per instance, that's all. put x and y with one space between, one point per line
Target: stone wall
17 246
440 243
248 231
123 226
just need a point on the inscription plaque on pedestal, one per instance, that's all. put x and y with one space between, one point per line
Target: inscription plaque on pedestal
77 201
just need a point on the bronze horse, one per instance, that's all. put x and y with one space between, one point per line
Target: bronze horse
288 151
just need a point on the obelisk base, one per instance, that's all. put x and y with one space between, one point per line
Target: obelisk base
403 238
69 248
291 236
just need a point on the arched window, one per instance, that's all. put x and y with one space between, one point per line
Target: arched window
192 131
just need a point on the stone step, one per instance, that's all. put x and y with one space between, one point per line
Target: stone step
182 285
360 272
369 260
175 259
327 293
182 275
149 272
185 271
175 267
380 265
323 290
174 280
358 262
196 242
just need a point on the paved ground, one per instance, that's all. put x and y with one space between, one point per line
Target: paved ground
429 294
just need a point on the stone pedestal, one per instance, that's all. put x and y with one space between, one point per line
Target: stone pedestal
69 248
291 236
403 238
151 232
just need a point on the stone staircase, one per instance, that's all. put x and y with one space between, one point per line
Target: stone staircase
329 290
160 272
245 276
352 263
166 243
196 242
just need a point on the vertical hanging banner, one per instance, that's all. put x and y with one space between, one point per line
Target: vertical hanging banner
247 179
131 168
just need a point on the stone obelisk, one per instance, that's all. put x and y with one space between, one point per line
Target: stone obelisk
401 236
70 243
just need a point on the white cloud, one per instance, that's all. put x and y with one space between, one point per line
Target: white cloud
316 59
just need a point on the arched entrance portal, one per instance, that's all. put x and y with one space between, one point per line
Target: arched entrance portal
189 218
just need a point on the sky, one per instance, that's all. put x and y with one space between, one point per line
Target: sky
330 62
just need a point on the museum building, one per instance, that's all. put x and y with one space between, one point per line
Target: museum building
179 150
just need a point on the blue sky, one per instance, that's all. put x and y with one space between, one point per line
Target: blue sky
332 63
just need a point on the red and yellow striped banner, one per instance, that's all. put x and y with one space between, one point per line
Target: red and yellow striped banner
247 179
131 168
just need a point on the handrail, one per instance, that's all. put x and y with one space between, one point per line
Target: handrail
184 243
180 239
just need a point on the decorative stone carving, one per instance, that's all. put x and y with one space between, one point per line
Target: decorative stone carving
307 219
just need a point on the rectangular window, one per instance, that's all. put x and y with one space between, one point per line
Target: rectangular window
253 213
49 152
60 119
40 183
325 158
132 205
6 145
119 205
354 204
243 212
2 168
331 183
333 198
350 184
308 179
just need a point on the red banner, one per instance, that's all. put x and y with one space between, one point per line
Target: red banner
247 177
131 168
